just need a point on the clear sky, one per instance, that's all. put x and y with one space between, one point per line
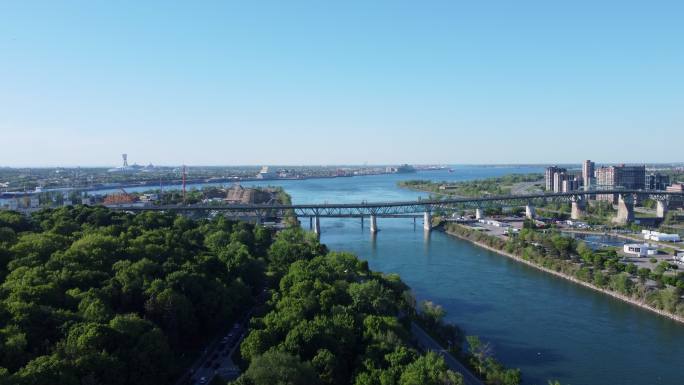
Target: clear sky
347 82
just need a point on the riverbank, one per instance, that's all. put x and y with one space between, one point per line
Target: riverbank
613 294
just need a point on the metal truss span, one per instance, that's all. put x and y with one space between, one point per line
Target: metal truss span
401 208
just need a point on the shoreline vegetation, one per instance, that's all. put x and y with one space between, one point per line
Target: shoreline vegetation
502 185
498 246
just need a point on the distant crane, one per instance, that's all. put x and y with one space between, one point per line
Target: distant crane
184 176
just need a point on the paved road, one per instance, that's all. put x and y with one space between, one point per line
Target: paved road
217 360
428 343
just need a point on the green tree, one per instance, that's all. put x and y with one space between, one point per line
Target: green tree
429 369
278 368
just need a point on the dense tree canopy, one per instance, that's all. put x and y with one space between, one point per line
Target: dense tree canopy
94 296
343 320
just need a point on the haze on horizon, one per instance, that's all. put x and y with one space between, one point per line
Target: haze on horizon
308 83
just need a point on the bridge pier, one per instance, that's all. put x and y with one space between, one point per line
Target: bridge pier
577 211
529 211
479 213
317 226
373 224
310 223
427 221
661 208
625 210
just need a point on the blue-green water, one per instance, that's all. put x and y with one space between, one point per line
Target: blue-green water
548 327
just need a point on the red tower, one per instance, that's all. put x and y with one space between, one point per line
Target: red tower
184 176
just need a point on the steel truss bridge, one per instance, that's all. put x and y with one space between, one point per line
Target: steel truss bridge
404 208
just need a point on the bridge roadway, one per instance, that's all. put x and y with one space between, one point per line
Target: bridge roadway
401 208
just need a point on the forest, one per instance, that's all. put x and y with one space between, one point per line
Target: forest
93 296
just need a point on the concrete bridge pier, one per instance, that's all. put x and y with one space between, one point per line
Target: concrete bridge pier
578 208
625 210
310 223
427 221
479 213
317 226
529 211
373 224
661 208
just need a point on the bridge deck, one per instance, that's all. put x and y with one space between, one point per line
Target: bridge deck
400 207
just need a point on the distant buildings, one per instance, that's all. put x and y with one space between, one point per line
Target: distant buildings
620 177
657 181
266 174
557 179
631 177
588 173
125 168
549 176
675 187
403 169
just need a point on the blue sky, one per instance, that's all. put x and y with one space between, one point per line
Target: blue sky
318 82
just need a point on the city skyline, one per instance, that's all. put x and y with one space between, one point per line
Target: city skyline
307 83
577 166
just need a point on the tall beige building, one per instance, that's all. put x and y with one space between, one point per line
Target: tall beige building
587 174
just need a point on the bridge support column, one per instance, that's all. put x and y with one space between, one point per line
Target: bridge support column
427 221
661 208
625 210
529 211
310 223
317 226
577 211
373 224
479 213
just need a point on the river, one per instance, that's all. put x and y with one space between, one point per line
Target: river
548 327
